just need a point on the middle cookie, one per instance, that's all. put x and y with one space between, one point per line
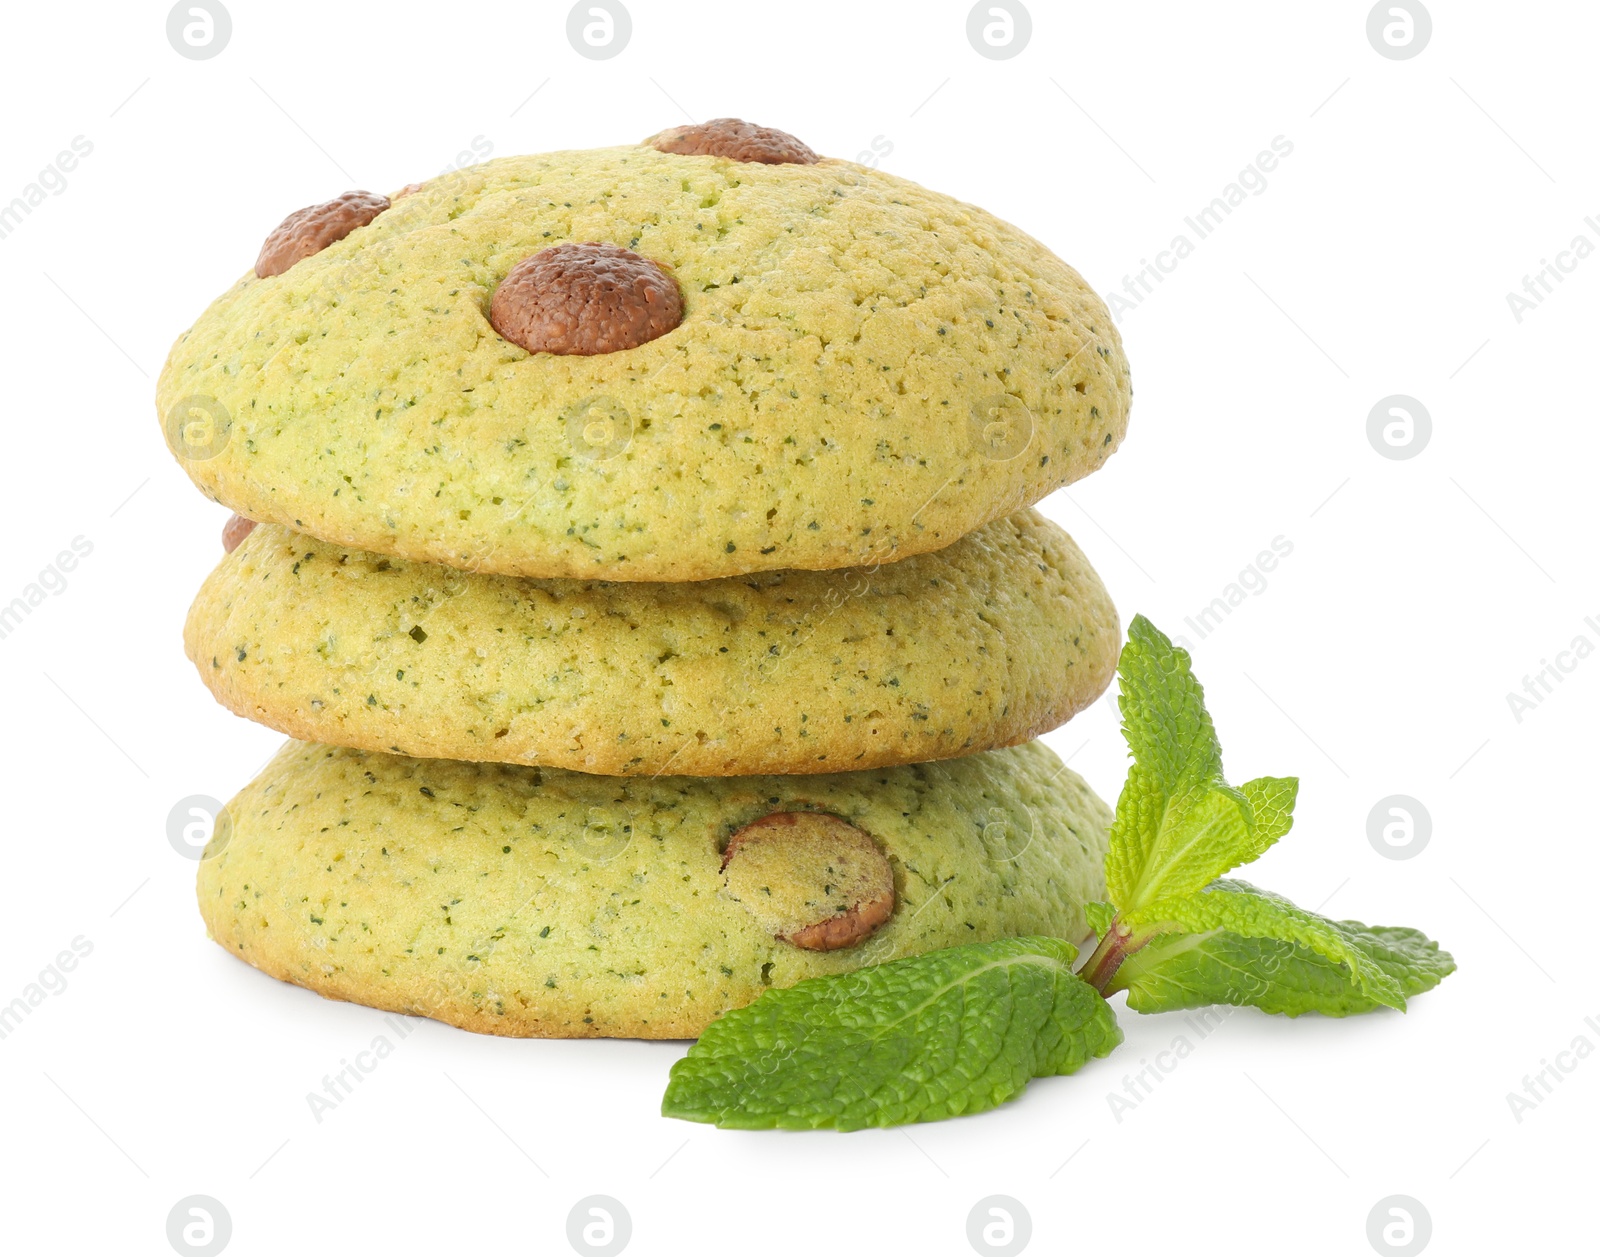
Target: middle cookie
988 643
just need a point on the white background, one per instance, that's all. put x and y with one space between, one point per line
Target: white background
1376 661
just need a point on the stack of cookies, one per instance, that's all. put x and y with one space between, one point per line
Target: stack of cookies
637 545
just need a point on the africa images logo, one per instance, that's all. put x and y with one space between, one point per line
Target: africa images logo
50 181
1252 181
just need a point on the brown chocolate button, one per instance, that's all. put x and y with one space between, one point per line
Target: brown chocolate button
313 229
810 879
736 140
235 531
585 299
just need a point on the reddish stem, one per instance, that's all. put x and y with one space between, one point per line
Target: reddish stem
1107 958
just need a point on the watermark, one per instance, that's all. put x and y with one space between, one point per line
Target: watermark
51 582
1399 29
1398 827
603 836
198 827
198 427
1399 427
51 181
599 29
598 429
999 427
599 1226
1539 1087
1004 839
52 980
882 146
1137 1088
1250 583
999 1224
199 29
479 150
1399 1226
1543 683
1249 182
1544 281
199 1226
340 1086
999 29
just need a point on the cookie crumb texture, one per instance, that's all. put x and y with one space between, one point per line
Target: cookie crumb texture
829 399
989 642
538 902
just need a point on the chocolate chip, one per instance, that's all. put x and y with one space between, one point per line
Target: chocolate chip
235 531
585 299
811 879
313 229
736 140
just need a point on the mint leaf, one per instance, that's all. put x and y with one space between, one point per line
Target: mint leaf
1164 715
1177 971
1099 916
939 1035
1179 825
1271 801
1241 908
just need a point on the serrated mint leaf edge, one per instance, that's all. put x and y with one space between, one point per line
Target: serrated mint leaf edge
1156 680
1173 742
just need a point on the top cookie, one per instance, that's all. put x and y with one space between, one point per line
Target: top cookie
737 365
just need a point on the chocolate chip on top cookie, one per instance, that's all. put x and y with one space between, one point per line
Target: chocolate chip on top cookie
585 299
736 140
314 228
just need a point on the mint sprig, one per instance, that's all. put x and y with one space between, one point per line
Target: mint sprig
938 1035
964 1029
1176 933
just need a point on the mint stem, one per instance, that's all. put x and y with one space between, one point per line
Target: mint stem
1117 945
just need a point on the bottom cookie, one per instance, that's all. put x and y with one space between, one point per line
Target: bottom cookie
542 902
